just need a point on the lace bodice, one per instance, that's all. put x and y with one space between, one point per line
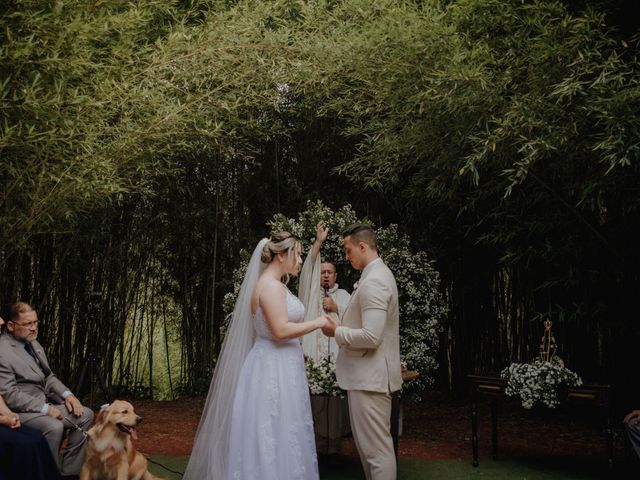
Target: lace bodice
295 311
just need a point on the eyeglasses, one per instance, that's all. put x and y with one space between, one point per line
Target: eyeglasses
27 325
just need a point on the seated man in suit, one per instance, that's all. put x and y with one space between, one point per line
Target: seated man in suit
30 389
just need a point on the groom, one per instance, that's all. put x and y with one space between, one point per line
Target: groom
368 363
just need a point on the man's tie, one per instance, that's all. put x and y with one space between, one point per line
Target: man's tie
29 348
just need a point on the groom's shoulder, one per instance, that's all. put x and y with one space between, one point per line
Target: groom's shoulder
381 276
386 276
382 269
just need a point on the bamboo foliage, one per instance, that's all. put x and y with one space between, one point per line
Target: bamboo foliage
144 144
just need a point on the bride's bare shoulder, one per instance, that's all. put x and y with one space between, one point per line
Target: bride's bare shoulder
269 286
266 288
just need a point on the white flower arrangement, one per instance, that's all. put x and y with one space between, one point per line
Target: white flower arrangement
322 377
538 381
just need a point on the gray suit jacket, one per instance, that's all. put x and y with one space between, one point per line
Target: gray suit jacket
369 338
23 385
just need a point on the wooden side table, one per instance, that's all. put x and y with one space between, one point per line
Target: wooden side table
491 387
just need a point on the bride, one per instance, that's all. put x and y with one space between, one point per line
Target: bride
257 419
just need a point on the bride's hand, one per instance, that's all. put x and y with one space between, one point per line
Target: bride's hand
322 321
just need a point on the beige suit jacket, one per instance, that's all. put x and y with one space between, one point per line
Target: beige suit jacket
369 338
23 385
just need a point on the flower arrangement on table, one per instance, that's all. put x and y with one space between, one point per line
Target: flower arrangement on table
539 380
322 377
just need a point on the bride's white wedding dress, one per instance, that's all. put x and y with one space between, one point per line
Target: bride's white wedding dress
271 434
256 423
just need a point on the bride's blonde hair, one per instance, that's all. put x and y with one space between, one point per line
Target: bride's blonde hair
280 242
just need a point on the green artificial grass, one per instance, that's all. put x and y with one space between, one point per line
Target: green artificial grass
341 468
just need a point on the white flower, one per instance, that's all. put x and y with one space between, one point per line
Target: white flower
322 377
537 382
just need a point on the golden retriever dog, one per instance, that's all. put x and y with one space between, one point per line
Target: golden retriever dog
110 454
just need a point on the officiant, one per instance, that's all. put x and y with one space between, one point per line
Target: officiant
321 294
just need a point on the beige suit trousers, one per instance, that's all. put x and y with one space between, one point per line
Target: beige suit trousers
370 414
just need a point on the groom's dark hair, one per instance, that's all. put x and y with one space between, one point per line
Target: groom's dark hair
362 233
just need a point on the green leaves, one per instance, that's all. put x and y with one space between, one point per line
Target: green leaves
506 124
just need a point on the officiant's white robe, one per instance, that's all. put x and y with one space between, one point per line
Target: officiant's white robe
315 344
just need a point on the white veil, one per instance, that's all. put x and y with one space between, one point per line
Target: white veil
211 446
310 293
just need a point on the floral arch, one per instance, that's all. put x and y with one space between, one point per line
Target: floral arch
422 305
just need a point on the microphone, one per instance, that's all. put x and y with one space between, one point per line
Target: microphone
325 287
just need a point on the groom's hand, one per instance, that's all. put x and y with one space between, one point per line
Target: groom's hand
330 329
